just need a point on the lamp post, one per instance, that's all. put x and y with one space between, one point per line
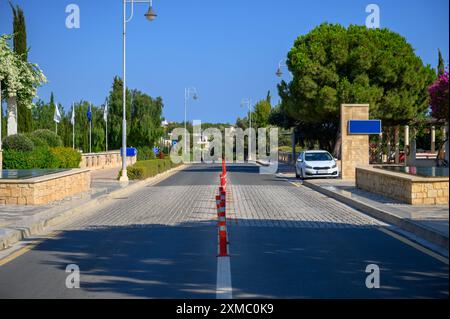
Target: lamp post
282 64
248 102
150 15
188 92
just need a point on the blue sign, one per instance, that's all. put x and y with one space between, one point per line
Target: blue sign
131 151
364 127
156 150
174 143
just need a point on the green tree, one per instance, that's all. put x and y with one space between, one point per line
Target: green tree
20 47
332 65
441 64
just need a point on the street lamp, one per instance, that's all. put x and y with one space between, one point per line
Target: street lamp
150 15
188 92
248 102
279 72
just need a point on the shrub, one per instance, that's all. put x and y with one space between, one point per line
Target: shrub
40 157
51 138
66 157
149 168
18 142
145 153
37 141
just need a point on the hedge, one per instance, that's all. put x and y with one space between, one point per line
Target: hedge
42 157
18 142
145 153
149 168
51 138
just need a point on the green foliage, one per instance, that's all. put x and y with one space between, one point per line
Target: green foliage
38 142
49 137
20 47
332 65
66 157
40 157
261 114
145 153
149 168
18 142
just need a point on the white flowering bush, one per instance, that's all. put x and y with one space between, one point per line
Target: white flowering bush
19 78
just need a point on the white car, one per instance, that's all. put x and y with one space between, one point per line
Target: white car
316 164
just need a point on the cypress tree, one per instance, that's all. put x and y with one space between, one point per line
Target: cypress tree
20 47
441 66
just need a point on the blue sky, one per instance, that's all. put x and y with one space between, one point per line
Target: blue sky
228 50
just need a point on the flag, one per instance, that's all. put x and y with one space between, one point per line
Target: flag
72 119
89 113
105 112
57 115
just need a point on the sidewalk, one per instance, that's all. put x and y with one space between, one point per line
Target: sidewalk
19 222
429 222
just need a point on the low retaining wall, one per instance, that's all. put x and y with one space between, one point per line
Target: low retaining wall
93 161
44 189
414 190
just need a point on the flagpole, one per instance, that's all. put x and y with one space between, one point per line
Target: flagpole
107 134
73 125
90 131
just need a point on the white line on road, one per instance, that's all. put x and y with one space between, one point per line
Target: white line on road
224 289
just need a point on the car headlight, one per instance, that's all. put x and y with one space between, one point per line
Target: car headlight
307 166
334 166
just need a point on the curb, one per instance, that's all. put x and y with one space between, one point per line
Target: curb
263 163
405 224
10 236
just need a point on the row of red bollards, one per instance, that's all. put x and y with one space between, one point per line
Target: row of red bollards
221 202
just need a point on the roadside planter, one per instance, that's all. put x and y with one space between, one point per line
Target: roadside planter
407 184
38 187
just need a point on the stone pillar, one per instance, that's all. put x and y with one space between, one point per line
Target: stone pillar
12 116
433 139
355 148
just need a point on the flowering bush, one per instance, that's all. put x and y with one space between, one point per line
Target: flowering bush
439 97
19 78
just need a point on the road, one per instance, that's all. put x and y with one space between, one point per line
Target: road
286 241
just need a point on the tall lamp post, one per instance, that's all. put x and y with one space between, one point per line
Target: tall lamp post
281 64
150 15
188 92
248 102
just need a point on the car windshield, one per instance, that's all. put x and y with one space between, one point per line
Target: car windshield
316 157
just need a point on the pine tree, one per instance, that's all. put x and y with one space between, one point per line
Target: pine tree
20 47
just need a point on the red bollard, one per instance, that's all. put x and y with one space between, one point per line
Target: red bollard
223 251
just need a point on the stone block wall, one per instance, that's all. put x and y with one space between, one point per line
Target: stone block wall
103 160
409 189
355 148
44 189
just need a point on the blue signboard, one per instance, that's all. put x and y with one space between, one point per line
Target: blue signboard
156 150
131 151
364 127
174 143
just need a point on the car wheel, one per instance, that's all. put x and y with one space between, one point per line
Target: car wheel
301 174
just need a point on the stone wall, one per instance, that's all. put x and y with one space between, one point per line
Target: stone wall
410 189
103 160
44 189
355 148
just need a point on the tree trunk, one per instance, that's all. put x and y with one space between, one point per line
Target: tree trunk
12 116
337 145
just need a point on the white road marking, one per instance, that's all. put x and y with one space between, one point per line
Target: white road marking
224 289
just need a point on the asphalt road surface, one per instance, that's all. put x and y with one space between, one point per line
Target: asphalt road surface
286 241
